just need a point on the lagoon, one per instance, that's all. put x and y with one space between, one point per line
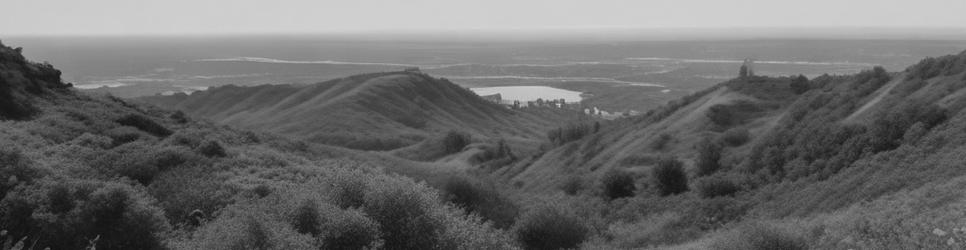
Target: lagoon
529 93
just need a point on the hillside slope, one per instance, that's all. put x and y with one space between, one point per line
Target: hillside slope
373 111
85 171
778 148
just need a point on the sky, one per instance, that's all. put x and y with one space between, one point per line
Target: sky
153 17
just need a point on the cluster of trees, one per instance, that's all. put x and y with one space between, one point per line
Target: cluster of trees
571 132
728 115
932 67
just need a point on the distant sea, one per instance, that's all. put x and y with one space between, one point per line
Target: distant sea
154 65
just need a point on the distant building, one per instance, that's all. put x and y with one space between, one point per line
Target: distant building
747 68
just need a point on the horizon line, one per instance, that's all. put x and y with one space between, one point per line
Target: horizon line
564 32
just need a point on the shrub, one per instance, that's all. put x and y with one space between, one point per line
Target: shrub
12 106
572 185
758 236
351 229
617 184
569 133
172 157
261 190
247 230
736 137
709 155
550 227
185 190
123 135
669 177
65 214
179 117
661 142
481 198
720 115
715 186
799 84
307 219
123 219
454 142
405 214
211 148
16 168
144 124
348 189
60 198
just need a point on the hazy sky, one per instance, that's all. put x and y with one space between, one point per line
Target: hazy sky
55 17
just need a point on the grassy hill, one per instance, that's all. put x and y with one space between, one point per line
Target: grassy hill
784 160
89 171
866 161
378 111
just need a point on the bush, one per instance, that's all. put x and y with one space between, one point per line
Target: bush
123 135
454 142
65 214
12 106
569 133
715 186
736 137
179 117
550 227
247 230
481 198
348 189
758 236
351 229
185 190
144 124
307 219
669 177
405 214
211 148
572 185
122 219
661 142
16 169
799 84
617 184
709 155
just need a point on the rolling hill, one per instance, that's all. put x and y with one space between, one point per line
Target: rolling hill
93 171
791 153
378 111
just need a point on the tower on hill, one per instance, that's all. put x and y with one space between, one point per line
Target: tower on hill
747 68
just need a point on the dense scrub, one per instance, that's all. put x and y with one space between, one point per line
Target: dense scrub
551 227
100 172
571 132
477 196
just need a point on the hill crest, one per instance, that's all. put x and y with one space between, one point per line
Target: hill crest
377 111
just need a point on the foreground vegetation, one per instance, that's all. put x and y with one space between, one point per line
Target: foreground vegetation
866 161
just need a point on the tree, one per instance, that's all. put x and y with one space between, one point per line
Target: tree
799 84
709 153
550 227
669 176
743 71
618 184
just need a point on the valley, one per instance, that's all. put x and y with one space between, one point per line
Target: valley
407 159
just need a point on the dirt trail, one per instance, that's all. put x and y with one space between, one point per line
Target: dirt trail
882 93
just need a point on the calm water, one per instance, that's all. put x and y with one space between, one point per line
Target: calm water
130 67
529 93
